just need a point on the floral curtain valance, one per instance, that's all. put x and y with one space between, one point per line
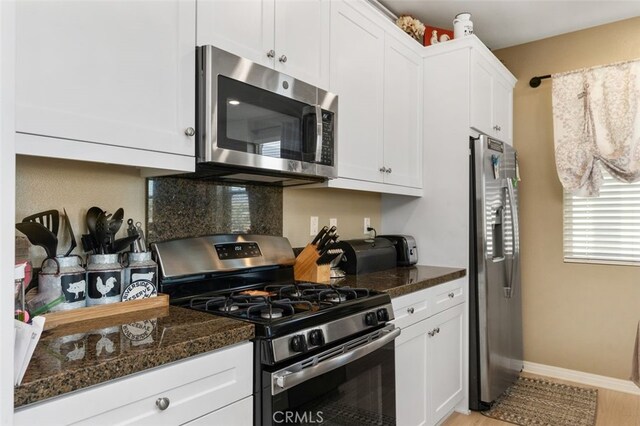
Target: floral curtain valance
596 120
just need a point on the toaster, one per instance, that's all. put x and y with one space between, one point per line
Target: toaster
406 249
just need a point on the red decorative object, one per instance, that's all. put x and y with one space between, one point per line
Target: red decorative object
428 34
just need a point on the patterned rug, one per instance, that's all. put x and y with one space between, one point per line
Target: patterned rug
540 402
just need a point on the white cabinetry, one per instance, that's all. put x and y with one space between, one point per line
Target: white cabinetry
491 99
402 123
430 353
376 71
290 36
357 67
217 385
107 81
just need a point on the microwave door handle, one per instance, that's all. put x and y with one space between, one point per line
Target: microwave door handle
319 131
515 232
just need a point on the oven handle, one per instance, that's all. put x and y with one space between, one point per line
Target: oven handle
284 379
319 131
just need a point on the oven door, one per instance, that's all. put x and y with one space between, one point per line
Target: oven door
351 384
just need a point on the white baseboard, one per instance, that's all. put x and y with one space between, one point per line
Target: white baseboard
626 386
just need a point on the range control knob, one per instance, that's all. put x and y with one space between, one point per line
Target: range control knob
316 337
370 319
382 314
298 343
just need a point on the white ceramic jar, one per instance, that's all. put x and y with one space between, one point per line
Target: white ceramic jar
462 25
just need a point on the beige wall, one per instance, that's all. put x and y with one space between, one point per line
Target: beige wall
576 316
349 207
45 184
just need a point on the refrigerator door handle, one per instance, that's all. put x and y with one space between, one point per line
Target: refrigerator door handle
508 291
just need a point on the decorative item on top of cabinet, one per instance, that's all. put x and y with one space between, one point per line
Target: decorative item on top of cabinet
289 36
411 26
434 35
128 99
462 25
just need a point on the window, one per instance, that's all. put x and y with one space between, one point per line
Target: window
605 229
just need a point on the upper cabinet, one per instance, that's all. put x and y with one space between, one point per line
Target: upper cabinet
107 81
376 71
290 36
491 106
402 115
357 77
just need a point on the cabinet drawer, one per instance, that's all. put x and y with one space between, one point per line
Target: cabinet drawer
448 295
237 414
193 388
411 308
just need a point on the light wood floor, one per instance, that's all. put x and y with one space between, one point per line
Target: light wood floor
614 409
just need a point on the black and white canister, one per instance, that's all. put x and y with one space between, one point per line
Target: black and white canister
104 279
67 275
140 277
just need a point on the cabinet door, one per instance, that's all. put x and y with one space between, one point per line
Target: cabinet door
444 361
502 109
302 39
411 375
242 27
116 73
481 100
357 50
403 95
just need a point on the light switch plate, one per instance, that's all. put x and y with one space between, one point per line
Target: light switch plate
367 224
313 225
333 222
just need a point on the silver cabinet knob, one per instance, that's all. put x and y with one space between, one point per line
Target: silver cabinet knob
282 59
432 333
162 403
271 54
383 169
389 170
437 330
190 131
451 295
497 128
410 310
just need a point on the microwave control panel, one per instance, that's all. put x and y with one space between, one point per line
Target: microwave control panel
327 138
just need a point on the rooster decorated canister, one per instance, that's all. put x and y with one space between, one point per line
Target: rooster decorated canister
140 277
64 275
104 279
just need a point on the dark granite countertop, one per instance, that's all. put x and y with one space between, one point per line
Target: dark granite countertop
403 280
76 356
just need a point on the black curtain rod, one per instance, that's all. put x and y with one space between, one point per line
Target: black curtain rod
535 81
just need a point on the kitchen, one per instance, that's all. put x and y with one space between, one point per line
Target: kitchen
545 331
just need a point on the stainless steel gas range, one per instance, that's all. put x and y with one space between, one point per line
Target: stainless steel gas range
322 354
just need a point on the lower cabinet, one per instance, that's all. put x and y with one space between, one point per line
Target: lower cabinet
430 366
214 388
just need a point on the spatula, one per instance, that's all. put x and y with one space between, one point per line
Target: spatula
73 238
39 235
50 219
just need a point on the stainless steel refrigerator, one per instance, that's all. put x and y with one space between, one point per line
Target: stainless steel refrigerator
495 310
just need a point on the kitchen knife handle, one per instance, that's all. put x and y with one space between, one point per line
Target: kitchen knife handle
319 235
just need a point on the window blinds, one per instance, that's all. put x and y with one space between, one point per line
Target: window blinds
605 229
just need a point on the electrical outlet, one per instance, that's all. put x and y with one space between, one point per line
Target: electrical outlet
313 225
333 222
367 224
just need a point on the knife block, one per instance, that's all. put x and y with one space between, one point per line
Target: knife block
306 269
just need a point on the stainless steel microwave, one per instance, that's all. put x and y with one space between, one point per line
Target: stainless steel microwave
257 124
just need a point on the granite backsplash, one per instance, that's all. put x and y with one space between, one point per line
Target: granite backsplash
182 208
